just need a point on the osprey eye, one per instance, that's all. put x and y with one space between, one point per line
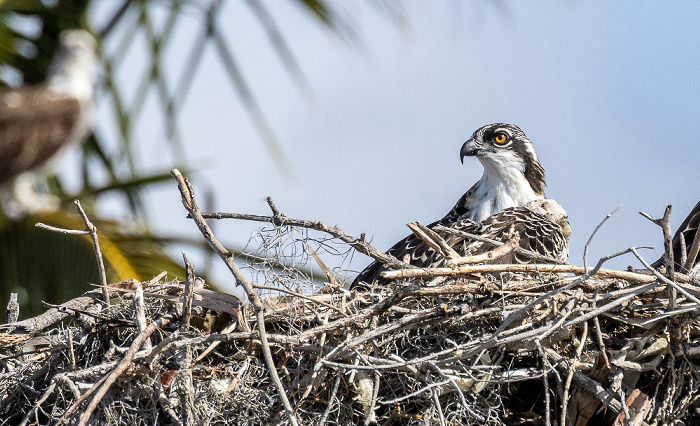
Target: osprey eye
500 138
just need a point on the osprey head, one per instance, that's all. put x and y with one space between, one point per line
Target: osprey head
503 148
73 70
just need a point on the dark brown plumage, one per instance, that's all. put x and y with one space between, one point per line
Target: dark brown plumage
537 233
34 124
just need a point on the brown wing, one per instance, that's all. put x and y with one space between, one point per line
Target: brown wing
415 251
34 124
460 209
537 234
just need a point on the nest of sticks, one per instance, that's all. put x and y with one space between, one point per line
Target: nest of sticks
478 344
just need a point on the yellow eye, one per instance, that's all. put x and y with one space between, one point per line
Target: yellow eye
500 138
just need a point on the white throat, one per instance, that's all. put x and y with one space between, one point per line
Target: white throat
73 71
503 185
74 78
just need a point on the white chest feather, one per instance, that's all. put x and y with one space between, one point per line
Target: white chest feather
503 185
75 78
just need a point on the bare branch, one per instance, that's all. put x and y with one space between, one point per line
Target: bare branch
465 271
434 240
227 256
358 244
595 231
529 253
92 231
189 293
489 256
665 224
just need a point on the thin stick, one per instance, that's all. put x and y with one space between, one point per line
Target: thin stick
570 374
462 399
438 407
520 313
433 239
436 400
625 410
529 253
683 261
229 328
489 256
52 316
414 393
665 224
280 220
314 375
301 296
545 370
588 243
164 402
371 418
601 344
664 279
140 313
589 384
334 391
156 278
40 401
183 360
189 293
464 271
616 302
101 387
92 231
226 255
62 230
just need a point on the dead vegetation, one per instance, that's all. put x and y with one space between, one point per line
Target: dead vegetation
473 344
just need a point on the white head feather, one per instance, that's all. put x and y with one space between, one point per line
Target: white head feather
73 70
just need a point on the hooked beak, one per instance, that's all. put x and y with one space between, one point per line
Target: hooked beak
468 149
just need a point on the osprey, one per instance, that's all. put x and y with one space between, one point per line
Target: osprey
508 198
36 121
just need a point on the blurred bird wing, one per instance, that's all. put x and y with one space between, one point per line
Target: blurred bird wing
35 122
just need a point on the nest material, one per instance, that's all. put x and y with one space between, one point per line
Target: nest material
489 344
445 351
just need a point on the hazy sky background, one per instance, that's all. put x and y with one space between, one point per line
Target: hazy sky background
608 92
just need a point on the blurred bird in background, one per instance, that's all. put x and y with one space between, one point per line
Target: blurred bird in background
36 121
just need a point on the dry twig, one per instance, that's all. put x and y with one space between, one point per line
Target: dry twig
448 351
90 230
665 224
191 206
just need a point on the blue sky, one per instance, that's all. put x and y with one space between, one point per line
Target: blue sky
608 92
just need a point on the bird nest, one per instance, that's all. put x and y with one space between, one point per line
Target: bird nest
483 344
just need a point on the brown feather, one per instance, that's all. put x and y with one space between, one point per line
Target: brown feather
35 123
537 234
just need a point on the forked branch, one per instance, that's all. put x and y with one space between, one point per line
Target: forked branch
226 255
90 230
